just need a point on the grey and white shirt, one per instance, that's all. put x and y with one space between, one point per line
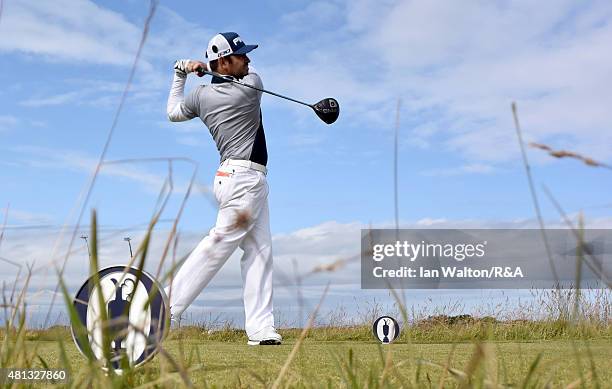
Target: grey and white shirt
231 112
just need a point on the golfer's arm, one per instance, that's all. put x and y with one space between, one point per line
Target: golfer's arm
176 109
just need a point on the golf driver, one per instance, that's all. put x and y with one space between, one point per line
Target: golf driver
327 109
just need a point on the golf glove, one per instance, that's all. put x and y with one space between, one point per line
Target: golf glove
180 67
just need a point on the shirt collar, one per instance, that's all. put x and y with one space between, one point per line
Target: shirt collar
220 80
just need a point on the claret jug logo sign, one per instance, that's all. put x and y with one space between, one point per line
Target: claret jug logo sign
386 329
136 311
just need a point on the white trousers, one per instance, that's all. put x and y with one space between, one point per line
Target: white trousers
243 221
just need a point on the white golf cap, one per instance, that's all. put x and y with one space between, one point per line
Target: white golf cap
226 43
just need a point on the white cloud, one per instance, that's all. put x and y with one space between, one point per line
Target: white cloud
68 30
191 127
7 122
57 99
458 66
44 158
316 13
19 216
323 244
89 92
318 244
305 139
191 141
175 37
80 33
474 168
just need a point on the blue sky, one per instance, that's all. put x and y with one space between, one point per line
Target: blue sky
455 66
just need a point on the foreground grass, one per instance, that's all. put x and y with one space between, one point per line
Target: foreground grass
222 359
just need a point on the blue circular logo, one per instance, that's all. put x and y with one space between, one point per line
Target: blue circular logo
136 308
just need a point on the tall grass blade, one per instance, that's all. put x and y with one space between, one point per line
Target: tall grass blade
79 330
530 373
534 196
97 287
299 342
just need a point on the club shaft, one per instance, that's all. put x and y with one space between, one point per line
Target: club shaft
215 74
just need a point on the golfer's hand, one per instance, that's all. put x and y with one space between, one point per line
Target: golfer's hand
196 66
186 66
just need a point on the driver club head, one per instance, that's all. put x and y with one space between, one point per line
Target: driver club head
327 110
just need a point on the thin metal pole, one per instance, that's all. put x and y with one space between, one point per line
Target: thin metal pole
84 237
129 240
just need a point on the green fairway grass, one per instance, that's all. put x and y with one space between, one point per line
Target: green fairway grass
231 363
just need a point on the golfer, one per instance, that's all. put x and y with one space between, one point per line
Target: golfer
232 114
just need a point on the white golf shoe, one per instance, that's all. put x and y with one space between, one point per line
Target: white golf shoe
267 336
